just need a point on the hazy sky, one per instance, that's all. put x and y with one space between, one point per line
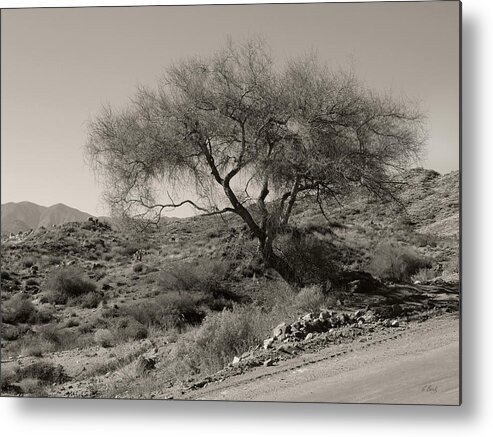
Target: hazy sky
59 66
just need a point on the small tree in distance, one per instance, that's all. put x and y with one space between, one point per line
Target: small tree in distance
252 138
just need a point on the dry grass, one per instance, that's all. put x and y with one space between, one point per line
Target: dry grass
395 262
220 337
310 299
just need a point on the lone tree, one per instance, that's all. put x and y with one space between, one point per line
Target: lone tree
236 133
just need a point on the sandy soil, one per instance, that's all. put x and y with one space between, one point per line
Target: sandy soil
417 366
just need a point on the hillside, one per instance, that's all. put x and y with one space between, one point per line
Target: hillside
110 312
23 216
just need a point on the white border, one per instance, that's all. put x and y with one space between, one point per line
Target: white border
130 418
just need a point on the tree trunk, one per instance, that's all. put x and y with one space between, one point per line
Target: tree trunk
280 265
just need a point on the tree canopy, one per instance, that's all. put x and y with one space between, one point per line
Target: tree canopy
251 137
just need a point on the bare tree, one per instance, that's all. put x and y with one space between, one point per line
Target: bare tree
252 138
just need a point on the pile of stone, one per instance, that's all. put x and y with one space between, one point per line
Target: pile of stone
290 339
307 326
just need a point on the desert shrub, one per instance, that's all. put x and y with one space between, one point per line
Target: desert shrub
128 328
19 309
8 380
310 299
310 257
107 257
137 268
31 282
45 315
36 346
208 276
50 260
50 333
69 284
424 275
5 275
423 240
104 337
129 248
28 262
10 333
222 336
213 233
251 267
91 300
44 372
32 387
336 225
273 294
86 328
111 312
171 310
395 262
318 225
405 223
72 323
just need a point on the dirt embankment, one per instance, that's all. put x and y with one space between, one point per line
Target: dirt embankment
416 366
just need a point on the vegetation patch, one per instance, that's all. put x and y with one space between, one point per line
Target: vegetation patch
69 285
19 309
395 262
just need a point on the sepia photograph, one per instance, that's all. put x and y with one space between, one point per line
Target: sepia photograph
254 202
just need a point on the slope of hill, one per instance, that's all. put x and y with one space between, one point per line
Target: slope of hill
22 216
164 293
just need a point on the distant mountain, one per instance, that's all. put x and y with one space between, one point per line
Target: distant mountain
23 216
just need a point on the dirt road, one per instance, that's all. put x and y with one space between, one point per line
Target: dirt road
417 366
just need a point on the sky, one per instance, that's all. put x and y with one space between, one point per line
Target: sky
59 66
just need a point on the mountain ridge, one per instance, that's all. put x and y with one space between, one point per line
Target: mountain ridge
22 216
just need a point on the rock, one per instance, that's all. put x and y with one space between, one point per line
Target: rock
394 323
309 336
370 316
296 325
318 325
246 355
268 343
286 348
281 330
343 319
236 361
334 321
268 362
298 334
307 317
